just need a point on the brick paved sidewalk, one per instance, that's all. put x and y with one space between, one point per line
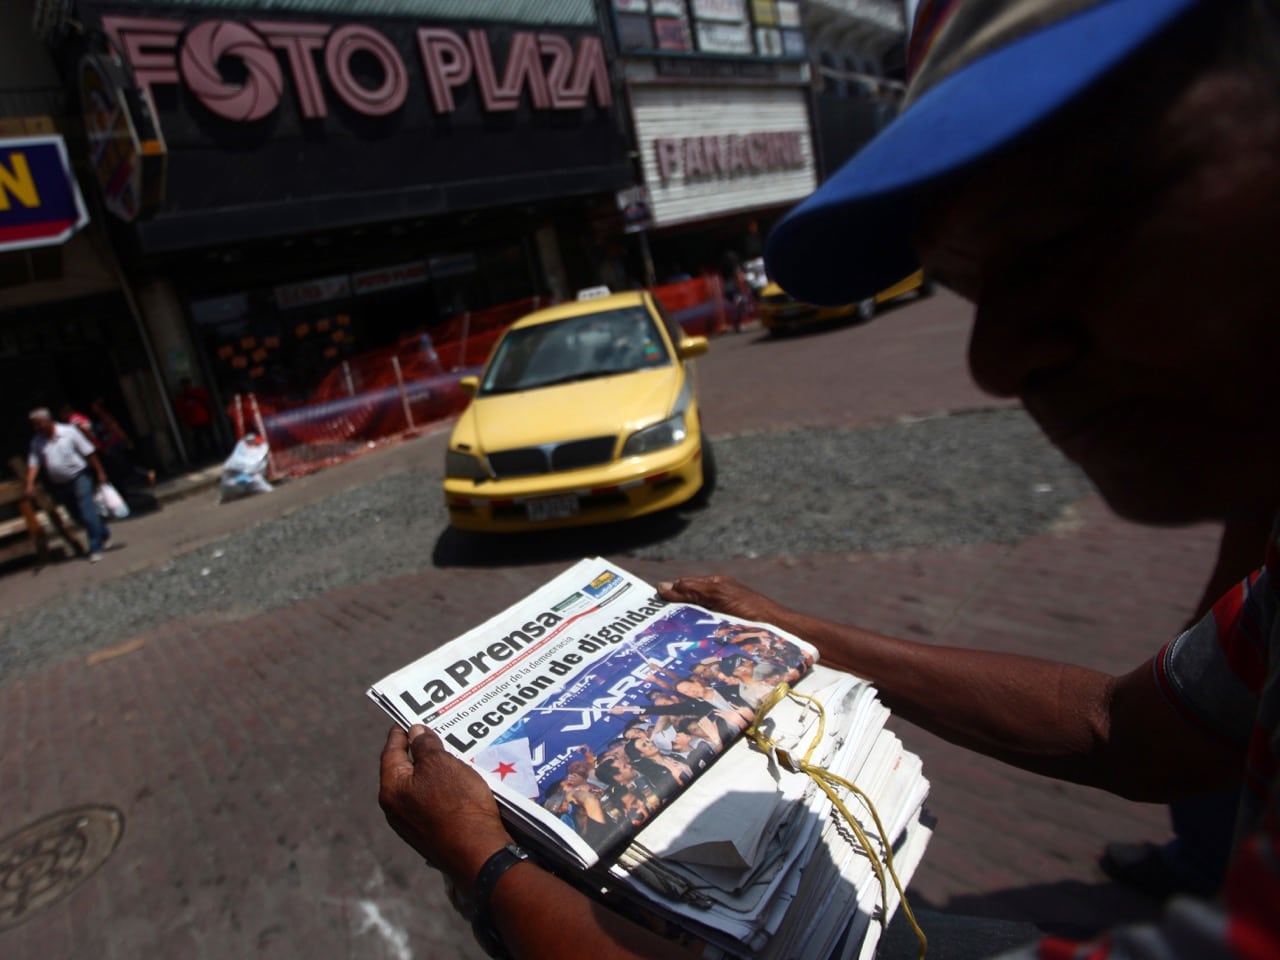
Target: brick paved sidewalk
243 755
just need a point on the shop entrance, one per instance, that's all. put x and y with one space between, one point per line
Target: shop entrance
290 342
72 352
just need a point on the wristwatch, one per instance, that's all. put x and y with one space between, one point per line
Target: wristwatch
481 922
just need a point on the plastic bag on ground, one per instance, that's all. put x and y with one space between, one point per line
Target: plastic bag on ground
245 471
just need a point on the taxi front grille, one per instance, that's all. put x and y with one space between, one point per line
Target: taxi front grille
552 458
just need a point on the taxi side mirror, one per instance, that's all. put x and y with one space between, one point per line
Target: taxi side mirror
469 385
691 347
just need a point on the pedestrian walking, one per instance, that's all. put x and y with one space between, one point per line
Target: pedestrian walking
737 291
117 449
196 413
69 415
71 466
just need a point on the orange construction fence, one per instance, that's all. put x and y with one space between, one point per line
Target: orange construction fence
388 394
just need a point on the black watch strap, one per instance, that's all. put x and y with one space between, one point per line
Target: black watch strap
490 873
492 870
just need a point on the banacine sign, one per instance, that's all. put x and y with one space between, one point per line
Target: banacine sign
729 155
548 70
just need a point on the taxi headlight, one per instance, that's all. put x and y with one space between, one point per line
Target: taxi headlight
667 433
463 466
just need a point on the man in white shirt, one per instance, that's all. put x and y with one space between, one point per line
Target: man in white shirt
66 455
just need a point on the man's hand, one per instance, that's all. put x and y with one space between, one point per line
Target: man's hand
438 805
723 595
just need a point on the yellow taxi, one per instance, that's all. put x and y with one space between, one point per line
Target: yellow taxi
781 313
585 413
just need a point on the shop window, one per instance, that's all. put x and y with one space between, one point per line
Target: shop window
287 343
635 32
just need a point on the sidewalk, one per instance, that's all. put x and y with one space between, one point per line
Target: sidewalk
190 516
187 484
171 490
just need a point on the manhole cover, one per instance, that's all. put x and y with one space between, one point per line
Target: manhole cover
46 860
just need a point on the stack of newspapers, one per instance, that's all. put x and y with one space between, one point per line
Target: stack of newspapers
670 761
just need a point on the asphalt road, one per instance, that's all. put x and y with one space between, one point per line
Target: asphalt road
804 468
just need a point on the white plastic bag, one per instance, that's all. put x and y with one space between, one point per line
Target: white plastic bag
110 504
245 471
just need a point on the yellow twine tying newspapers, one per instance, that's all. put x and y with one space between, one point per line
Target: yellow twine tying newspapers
824 779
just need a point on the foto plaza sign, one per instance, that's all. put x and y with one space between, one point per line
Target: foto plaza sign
547 69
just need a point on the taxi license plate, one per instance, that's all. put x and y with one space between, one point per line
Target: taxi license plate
552 508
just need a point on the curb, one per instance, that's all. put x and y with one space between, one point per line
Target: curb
188 484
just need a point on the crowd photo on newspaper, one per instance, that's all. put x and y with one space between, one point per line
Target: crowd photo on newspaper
665 729
602 706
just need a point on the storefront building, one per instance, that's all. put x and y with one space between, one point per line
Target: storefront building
67 333
718 95
858 52
301 184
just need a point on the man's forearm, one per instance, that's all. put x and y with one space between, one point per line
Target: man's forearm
1047 717
1063 721
1122 733
538 915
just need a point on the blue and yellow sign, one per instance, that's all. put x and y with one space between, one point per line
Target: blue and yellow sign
40 204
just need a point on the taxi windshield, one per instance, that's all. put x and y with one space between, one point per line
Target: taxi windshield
576 348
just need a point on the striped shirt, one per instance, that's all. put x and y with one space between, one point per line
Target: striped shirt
1223 675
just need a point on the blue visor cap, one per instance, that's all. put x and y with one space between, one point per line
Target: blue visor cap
853 236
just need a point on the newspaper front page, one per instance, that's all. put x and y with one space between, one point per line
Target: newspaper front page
592 703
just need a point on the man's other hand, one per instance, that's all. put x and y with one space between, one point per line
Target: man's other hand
439 805
723 595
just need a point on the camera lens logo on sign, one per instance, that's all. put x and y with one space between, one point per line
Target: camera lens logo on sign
546 66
